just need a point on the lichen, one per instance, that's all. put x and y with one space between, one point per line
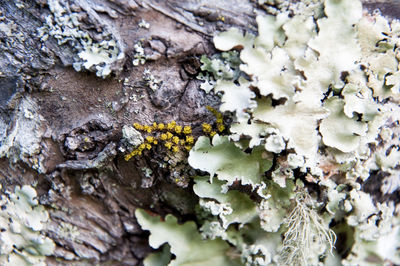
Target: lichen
236 207
185 241
144 24
139 55
175 137
339 131
22 222
315 116
308 236
228 162
24 143
151 81
99 55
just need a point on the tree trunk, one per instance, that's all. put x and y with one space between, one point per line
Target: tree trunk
74 74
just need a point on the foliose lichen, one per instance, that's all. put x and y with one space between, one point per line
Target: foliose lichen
94 54
22 221
315 105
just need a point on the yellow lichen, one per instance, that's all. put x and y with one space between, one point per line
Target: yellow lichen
189 139
168 144
169 135
206 128
173 136
147 128
188 148
171 125
175 140
187 130
137 126
178 129
160 126
129 156
215 112
142 147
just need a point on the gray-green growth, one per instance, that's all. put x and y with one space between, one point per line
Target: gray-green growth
327 77
22 220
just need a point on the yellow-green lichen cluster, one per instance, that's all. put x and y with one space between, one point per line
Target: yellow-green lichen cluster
220 127
172 136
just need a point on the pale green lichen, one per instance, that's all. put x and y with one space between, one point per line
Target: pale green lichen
132 136
296 122
230 163
308 235
281 175
144 24
223 67
236 98
158 259
139 57
377 235
69 232
185 241
258 247
147 172
65 26
213 230
151 81
315 114
240 208
339 131
22 221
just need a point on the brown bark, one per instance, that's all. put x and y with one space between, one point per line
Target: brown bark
77 119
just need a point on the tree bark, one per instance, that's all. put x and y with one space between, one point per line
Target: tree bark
62 129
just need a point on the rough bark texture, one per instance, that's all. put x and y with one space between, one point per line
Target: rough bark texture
61 129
